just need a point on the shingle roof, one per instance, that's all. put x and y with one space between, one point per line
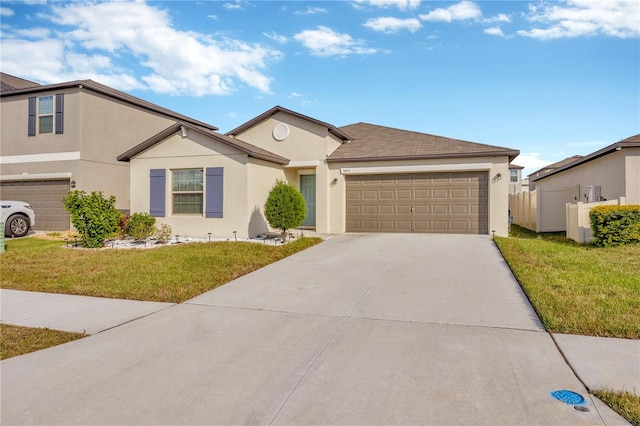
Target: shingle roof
250 150
273 111
10 82
372 142
106 90
630 142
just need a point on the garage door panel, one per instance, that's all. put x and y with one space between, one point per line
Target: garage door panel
45 196
454 202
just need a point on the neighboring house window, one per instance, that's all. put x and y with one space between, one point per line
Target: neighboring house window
187 190
46 114
514 176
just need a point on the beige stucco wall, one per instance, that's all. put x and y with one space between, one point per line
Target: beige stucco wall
246 185
498 188
97 129
618 175
307 142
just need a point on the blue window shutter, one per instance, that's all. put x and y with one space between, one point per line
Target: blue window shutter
32 116
59 113
214 197
157 196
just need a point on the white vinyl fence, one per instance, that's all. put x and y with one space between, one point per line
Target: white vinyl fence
522 209
578 222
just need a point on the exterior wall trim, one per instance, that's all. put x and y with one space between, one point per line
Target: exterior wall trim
415 168
297 164
40 158
37 176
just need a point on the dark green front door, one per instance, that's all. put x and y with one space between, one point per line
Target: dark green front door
308 189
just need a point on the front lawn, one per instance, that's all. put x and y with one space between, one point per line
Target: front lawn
577 289
166 274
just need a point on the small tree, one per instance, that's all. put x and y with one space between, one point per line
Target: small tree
94 217
285 207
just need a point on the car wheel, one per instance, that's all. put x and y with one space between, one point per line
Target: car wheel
18 226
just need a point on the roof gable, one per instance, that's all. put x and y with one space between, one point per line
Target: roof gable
278 109
373 143
250 150
10 82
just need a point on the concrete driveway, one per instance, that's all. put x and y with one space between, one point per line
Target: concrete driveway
362 329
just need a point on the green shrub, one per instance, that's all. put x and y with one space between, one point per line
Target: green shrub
140 226
94 217
163 233
615 225
285 207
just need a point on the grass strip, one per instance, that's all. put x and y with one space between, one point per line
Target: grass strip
15 340
577 288
625 403
166 274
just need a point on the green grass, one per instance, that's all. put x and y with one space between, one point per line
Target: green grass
15 340
577 289
166 274
625 403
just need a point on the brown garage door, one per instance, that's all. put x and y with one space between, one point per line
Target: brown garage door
454 202
45 196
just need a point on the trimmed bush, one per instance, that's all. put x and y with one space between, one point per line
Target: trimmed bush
94 217
140 226
285 207
163 233
615 225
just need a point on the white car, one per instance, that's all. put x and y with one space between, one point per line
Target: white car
18 218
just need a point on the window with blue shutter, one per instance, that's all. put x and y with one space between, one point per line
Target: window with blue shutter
32 117
157 196
214 192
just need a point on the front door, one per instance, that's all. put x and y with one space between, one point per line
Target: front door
308 189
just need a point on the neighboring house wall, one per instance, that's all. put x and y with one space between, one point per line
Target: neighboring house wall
616 174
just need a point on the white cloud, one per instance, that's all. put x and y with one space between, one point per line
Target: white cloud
276 37
457 12
310 11
393 25
5 11
575 18
501 17
295 95
39 33
233 6
495 31
177 62
531 162
326 42
400 4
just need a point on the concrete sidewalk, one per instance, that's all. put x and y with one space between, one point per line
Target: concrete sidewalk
362 329
78 314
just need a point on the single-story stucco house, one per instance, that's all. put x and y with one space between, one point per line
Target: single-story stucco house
357 178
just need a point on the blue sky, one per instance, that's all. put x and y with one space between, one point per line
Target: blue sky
552 79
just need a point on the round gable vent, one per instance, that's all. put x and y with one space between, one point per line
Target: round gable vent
280 132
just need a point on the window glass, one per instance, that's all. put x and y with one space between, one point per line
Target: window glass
514 175
187 186
45 114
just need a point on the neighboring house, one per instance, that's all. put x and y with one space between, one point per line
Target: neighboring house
61 136
607 174
548 169
357 178
515 179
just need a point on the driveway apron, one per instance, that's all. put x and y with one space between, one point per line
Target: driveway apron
361 329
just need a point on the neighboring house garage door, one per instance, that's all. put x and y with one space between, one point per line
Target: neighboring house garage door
454 202
45 196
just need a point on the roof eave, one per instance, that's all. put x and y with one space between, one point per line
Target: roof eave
510 154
